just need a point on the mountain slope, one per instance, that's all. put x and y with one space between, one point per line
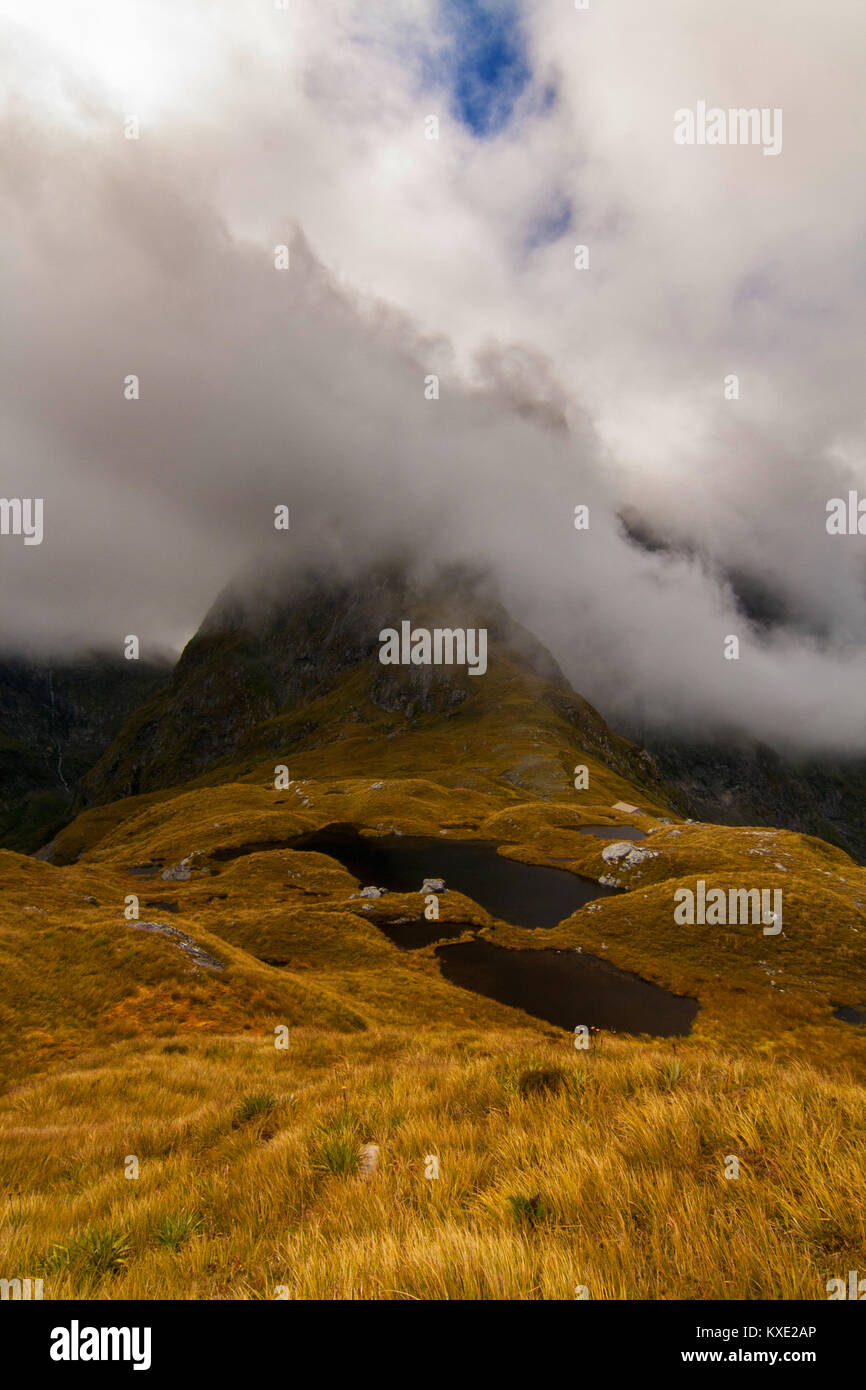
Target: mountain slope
55 720
286 675
156 1035
736 781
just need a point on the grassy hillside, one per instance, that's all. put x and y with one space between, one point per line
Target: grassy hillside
558 1167
555 1170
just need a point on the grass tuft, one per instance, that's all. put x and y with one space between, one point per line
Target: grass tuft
528 1211
338 1147
175 1230
93 1250
253 1107
541 1081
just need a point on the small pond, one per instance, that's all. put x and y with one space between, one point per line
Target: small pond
567 988
527 895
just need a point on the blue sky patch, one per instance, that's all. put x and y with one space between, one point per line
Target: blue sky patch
485 64
550 224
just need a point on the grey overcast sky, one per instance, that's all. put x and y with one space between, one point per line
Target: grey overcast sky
308 126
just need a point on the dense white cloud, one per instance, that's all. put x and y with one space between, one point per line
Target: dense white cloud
454 256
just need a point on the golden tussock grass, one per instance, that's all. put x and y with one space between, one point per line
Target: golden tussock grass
558 1168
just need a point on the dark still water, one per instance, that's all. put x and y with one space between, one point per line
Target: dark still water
528 895
613 832
567 988
848 1014
411 933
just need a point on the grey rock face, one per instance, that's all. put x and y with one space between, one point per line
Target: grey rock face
183 942
179 873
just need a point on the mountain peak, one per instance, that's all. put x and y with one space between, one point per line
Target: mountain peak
290 662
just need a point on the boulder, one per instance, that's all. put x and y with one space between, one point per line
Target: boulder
627 853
